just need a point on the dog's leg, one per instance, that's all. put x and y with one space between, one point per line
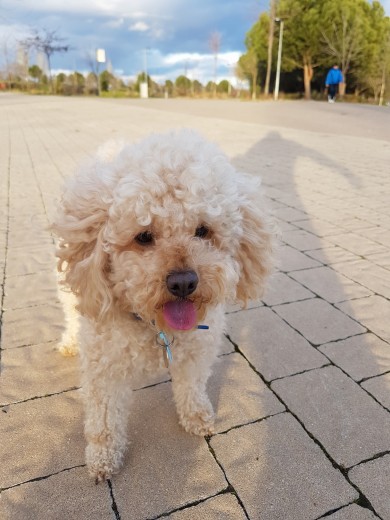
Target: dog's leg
106 417
189 378
68 346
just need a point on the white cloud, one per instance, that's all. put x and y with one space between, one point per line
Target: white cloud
226 59
139 26
183 57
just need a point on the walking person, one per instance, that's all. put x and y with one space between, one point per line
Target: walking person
333 79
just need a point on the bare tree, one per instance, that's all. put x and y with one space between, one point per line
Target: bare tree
215 44
344 37
48 42
8 68
272 12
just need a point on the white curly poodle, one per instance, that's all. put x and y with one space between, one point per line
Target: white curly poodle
155 238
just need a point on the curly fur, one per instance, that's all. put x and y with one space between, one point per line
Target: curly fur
168 185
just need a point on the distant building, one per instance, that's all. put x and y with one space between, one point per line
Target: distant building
22 57
43 63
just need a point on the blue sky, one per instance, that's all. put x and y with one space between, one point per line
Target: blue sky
175 32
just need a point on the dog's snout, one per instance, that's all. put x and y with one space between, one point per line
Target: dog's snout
182 283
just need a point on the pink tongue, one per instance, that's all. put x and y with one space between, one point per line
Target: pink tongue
180 314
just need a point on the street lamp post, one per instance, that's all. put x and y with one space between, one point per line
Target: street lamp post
100 58
144 91
277 80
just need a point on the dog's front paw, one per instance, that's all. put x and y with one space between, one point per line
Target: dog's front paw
102 461
200 422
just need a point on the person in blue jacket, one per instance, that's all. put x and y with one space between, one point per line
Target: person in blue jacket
333 79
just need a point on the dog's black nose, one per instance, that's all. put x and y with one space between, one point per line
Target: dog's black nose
182 283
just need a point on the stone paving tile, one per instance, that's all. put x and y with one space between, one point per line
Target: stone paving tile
366 273
289 214
356 244
355 224
166 467
32 325
352 512
318 321
29 262
350 425
69 495
43 437
289 259
330 285
32 289
302 240
318 227
274 348
23 204
373 479
332 255
279 472
226 347
281 289
372 312
222 507
235 403
360 356
379 387
26 237
48 372
253 304
376 234
284 226
381 259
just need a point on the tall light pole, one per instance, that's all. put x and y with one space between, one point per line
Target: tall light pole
144 91
100 58
277 80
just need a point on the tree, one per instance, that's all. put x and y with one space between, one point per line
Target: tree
302 37
197 87
168 87
372 69
78 82
106 80
247 68
35 72
272 11
91 85
182 85
223 87
8 73
60 81
345 28
211 87
47 42
253 63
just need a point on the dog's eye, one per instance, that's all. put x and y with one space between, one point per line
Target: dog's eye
202 231
144 238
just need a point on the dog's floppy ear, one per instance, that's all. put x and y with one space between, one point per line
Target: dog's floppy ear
254 254
80 226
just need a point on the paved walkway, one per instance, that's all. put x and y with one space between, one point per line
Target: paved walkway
303 388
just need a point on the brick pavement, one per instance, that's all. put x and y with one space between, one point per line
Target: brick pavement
302 388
